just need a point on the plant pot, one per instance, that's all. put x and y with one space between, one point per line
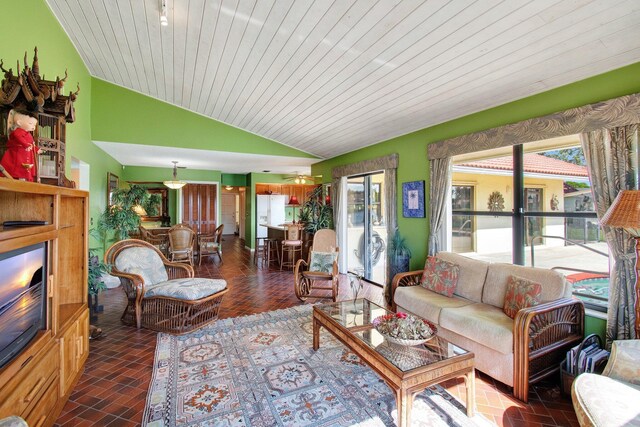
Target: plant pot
94 307
399 264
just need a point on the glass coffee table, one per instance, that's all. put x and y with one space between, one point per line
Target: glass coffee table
407 370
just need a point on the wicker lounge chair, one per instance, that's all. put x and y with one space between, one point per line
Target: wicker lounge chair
162 295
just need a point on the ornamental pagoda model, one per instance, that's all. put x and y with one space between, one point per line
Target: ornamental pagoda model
27 90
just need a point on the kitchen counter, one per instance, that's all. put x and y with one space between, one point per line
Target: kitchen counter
273 227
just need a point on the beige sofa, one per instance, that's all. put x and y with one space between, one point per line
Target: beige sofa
515 351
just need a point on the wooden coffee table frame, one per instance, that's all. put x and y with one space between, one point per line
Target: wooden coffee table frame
404 384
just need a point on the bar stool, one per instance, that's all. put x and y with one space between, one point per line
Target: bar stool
267 249
271 252
259 250
292 245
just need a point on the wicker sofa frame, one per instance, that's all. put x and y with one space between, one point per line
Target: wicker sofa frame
542 335
162 314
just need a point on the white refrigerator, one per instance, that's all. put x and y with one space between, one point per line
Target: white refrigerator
269 210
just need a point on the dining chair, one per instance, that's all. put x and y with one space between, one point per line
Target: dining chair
209 244
181 240
160 241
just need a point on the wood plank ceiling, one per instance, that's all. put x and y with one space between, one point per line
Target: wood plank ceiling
329 77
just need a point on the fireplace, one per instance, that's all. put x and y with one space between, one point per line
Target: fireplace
23 299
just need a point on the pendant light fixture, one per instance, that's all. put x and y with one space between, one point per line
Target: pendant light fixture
175 183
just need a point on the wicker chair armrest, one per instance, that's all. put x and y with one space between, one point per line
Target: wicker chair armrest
410 278
301 265
544 331
204 240
546 324
177 270
132 283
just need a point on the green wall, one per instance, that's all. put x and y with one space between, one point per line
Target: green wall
234 179
122 115
595 325
31 23
412 148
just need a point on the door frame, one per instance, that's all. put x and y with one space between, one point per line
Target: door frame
236 197
367 226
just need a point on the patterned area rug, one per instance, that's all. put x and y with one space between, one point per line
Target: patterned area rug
261 370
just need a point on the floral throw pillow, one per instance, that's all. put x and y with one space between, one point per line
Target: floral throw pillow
322 261
440 276
521 293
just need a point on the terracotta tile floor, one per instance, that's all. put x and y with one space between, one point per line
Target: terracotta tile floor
115 382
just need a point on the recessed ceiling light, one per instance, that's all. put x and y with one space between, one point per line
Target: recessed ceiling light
163 13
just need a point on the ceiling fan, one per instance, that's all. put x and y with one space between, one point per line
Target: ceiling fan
301 179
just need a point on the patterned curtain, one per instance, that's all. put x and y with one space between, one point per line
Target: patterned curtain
612 167
338 198
390 190
439 189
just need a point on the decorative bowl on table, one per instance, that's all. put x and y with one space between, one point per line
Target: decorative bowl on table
404 329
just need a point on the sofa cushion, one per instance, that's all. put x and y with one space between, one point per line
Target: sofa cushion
521 293
189 289
440 276
142 261
482 323
553 283
471 277
425 303
322 261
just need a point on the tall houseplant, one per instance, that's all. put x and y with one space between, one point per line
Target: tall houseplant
314 214
120 218
400 258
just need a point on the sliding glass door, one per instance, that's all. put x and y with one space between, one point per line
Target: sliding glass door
366 227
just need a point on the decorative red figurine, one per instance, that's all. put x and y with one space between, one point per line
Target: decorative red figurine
20 158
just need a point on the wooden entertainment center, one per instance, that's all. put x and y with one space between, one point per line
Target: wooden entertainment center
37 383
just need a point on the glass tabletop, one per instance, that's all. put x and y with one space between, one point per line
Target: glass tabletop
357 315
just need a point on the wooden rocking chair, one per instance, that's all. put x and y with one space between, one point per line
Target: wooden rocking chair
322 266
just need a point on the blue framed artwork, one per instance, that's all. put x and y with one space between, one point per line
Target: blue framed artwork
413 199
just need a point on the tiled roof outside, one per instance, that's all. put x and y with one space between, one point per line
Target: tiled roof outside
533 163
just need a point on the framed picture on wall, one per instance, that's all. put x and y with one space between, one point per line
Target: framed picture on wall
112 185
413 199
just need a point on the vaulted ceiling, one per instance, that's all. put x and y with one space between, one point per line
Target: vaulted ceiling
329 77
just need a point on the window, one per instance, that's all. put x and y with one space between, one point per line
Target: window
462 225
531 205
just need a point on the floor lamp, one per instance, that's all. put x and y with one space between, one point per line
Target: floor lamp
624 213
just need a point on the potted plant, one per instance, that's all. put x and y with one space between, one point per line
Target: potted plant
120 218
314 214
400 259
95 272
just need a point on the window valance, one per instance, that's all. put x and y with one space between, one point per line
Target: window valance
366 166
606 114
